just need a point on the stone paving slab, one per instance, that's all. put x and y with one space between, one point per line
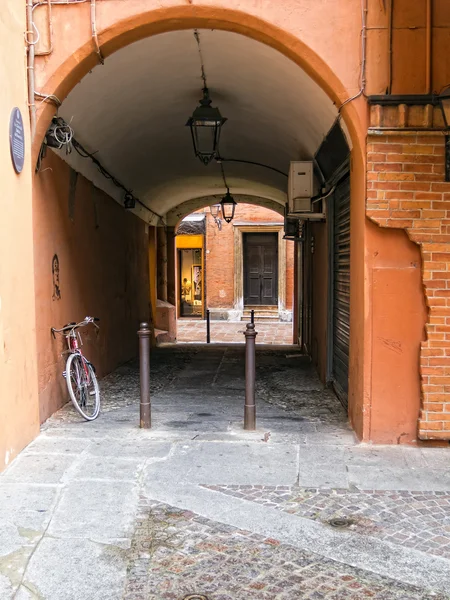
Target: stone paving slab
80 569
57 445
111 469
101 511
387 478
262 463
119 448
38 468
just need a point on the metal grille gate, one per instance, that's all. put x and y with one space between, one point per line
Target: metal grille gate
341 290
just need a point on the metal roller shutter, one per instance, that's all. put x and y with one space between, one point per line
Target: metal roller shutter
341 290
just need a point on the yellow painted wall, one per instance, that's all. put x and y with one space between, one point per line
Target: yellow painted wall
19 416
189 241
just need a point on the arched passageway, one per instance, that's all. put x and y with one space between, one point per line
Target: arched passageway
129 114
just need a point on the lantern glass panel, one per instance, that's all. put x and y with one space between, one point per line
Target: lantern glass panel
215 210
205 140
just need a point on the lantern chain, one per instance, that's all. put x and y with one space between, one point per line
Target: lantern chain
202 64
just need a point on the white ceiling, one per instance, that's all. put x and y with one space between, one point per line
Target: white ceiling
132 112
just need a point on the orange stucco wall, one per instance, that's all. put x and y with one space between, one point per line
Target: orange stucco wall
398 314
359 367
407 190
104 272
412 60
19 421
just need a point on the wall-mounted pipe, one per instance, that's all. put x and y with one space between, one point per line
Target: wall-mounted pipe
30 66
390 44
429 48
94 33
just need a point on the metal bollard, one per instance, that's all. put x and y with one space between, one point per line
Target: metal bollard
144 334
252 316
250 376
208 326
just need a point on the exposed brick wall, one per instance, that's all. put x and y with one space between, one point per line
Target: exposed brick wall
406 189
219 264
220 256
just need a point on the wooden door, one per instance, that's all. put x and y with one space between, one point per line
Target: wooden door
260 269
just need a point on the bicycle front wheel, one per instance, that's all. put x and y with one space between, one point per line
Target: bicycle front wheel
83 387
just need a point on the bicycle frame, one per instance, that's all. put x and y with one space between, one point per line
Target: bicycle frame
74 341
81 380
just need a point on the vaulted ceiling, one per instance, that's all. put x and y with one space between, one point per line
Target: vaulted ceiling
133 109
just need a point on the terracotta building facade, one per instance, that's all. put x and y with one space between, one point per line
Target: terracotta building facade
357 87
243 265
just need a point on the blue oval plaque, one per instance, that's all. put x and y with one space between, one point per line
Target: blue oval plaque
17 139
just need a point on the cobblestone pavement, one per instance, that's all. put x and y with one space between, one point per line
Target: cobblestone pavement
175 553
278 381
419 520
197 505
121 388
232 332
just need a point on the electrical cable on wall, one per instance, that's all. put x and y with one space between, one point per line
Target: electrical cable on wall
362 77
60 135
49 97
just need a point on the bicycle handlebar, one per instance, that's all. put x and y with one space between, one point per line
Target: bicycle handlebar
72 326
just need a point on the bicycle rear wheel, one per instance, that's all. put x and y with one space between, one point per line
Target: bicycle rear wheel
83 387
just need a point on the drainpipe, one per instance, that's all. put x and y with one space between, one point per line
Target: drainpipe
94 33
429 47
30 67
390 30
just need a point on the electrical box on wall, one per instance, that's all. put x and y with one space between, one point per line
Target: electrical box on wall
300 187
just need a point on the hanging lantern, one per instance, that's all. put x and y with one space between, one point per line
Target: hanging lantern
206 124
215 210
228 207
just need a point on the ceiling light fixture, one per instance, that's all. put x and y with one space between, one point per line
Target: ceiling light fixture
206 121
129 201
227 203
206 124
